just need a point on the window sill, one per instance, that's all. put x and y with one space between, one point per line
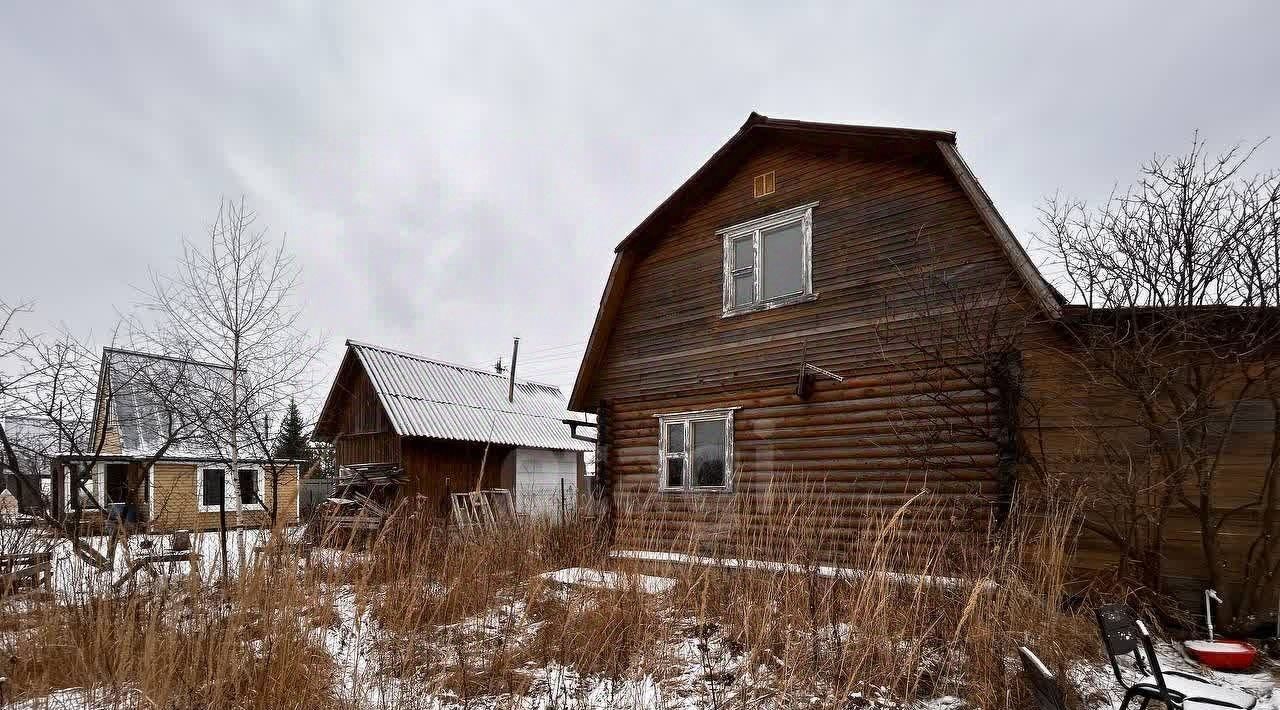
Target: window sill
695 491
255 508
770 305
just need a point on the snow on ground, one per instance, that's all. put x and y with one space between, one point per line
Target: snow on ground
789 568
705 669
74 578
603 579
1099 681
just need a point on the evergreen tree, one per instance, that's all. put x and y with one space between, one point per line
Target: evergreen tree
292 442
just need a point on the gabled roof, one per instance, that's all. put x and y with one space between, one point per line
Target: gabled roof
439 400
147 393
729 157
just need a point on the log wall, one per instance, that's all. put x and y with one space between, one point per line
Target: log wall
854 450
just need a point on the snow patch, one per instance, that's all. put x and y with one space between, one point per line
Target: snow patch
603 579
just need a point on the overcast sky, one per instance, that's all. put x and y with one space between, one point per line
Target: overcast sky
451 176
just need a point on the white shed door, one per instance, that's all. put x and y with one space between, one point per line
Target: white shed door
541 476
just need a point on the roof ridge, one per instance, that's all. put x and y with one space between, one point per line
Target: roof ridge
445 363
156 356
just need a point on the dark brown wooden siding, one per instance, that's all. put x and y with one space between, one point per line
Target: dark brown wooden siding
433 467
365 434
436 468
882 225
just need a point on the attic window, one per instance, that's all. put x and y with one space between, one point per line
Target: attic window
763 184
768 261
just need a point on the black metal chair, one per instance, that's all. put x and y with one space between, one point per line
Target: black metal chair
1044 685
1123 633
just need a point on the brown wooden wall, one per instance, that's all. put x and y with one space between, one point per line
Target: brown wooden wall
1076 414
433 467
882 227
436 468
365 434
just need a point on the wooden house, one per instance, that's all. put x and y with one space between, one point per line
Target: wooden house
441 423
158 458
772 330
32 439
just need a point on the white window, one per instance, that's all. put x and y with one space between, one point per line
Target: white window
695 451
768 262
212 488
76 497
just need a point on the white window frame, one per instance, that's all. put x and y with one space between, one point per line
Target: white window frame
687 419
229 493
95 484
803 215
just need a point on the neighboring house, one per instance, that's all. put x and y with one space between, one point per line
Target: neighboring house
439 422
158 451
810 248
34 440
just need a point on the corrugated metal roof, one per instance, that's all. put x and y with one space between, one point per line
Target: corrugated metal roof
441 400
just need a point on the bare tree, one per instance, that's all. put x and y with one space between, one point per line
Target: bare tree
1180 334
54 385
230 302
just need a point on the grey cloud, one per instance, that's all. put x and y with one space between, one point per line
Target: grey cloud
451 174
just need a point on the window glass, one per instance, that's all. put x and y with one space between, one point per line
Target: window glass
77 496
708 453
783 261
743 258
743 289
675 437
211 488
248 486
675 472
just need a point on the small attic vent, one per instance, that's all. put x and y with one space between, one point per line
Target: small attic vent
764 184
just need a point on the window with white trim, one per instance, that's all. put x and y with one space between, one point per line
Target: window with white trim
80 482
695 451
212 489
768 262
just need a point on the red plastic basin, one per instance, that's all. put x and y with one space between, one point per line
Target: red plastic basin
1223 654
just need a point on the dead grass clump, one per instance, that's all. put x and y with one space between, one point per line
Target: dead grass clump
609 632
897 609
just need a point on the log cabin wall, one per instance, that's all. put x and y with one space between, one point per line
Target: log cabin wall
852 450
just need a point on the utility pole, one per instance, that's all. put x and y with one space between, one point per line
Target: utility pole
493 418
511 382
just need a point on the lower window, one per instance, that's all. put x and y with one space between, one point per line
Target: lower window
695 450
214 492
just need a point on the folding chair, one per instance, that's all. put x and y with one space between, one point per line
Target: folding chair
1044 685
1123 633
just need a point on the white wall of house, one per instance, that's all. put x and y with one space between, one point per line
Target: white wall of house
539 474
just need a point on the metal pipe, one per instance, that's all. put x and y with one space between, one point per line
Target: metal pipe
1210 594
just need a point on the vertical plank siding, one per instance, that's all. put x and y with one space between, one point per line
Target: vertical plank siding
433 467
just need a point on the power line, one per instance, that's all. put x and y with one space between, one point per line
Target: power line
538 351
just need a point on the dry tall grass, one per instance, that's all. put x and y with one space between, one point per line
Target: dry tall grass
423 613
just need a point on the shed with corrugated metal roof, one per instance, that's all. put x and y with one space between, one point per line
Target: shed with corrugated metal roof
442 422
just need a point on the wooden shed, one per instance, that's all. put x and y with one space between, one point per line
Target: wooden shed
441 422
